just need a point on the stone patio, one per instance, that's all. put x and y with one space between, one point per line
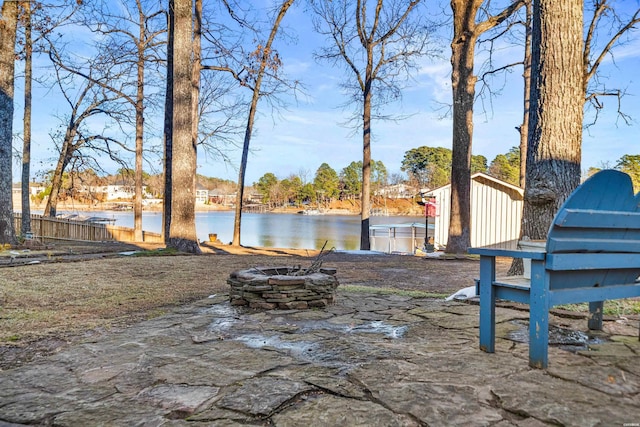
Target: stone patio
366 360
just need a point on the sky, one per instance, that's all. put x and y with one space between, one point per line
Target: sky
309 132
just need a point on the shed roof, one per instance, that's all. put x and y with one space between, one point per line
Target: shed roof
486 179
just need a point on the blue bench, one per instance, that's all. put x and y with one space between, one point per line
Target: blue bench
592 254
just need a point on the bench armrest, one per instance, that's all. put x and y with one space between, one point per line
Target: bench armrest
511 253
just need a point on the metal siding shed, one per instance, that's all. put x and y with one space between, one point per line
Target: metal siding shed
496 211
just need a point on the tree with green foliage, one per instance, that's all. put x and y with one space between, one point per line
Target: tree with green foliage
478 164
351 180
507 166
379 175
307 192
430 167
265 186
326 182
292 188
630 164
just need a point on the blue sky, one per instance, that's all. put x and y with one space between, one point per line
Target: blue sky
309 133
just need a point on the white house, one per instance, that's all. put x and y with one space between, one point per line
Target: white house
117 192
397 191
34 190
202 194
496 211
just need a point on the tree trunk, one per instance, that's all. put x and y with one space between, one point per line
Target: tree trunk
365 212
137 201
526 75
465 34
25 225
8 26
463 83
196 67
168 126
556 115
182 232
517 266
237 223
50 208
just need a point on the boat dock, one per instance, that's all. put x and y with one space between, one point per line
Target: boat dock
402 238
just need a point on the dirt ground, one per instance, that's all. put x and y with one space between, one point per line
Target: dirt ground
68 292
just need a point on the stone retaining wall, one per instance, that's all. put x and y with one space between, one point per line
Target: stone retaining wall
269 288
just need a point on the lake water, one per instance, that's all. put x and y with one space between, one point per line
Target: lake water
289 230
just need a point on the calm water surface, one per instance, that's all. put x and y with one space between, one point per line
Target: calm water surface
283 230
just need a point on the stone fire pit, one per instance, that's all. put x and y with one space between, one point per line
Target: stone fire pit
284 287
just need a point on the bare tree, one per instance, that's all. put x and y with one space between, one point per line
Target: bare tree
91 88
466 30
78 139
39 18
266 57
8 28
556 115
378 47
256 69
182 228
129 41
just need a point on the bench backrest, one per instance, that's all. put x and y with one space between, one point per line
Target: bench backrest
595 237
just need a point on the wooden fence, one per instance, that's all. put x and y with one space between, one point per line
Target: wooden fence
69 229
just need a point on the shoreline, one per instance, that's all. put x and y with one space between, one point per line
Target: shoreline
201 207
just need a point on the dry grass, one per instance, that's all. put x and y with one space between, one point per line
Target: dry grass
64 299
60 298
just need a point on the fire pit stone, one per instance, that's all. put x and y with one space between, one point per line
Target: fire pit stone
283 287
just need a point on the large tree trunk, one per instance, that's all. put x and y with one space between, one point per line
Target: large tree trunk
168 126
555 120
463 83
8 26
182 232
25 225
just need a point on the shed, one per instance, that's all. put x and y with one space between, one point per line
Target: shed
496 211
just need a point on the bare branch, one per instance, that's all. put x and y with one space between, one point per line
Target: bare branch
607 49
499 69
495 20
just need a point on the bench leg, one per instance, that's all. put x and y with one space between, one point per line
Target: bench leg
487 304
539 316
595 315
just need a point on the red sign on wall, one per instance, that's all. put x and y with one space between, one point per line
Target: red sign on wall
430 208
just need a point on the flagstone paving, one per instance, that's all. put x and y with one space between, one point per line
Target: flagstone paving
367 360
